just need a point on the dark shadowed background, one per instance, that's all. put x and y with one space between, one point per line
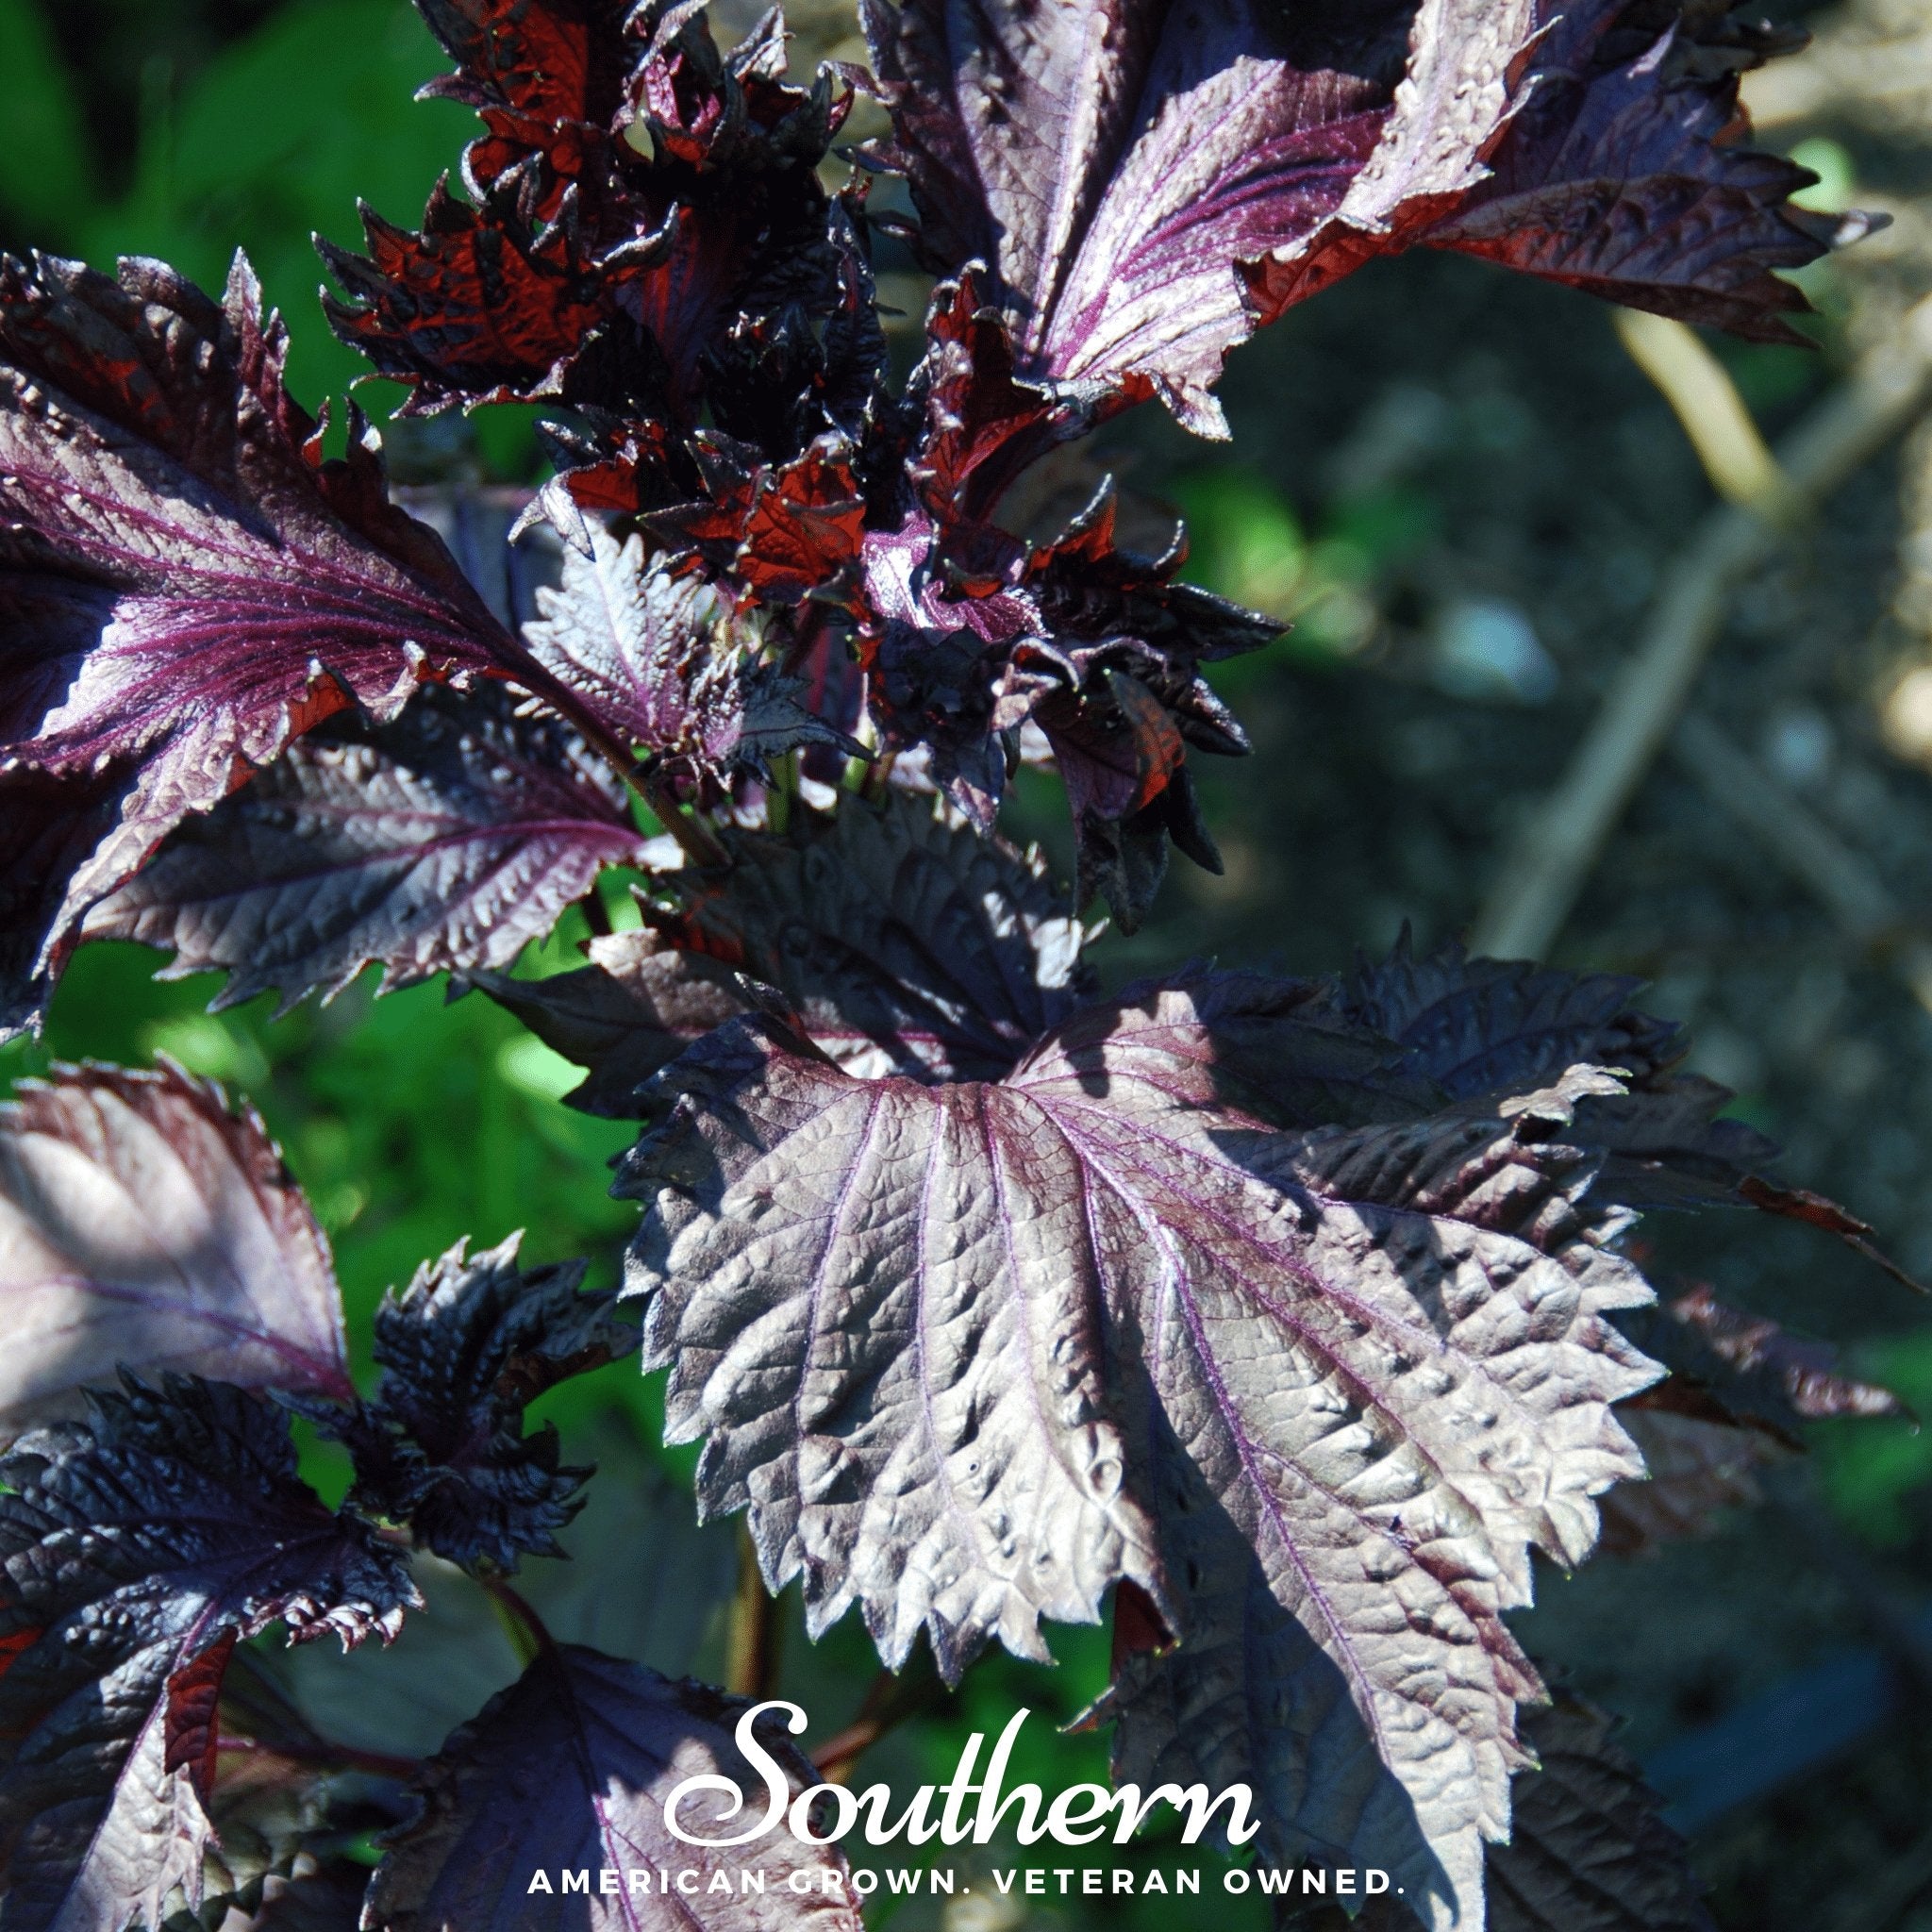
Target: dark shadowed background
1466 493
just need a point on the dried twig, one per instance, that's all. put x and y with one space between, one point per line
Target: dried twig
1540 879
1842 879
1705 402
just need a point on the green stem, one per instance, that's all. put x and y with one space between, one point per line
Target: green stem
751 1667
521 1623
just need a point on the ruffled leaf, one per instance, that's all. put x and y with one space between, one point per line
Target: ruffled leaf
903 939
142 1222
1741 1371
465 1348
1759 1370
1379 1357
569 1770
134 1548
968 636
666 664
1474 1027
635 196
271 1794
1625 172
185 584
443 841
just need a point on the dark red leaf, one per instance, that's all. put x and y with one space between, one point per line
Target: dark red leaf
782 531
1114 164
185 584
1627 172
171 1522
904 941
471 308
192 1730
669 669
1315 1392
446 840
465 1348
1697 1468
638 1005
570 1768
1589 1851
632 199
1765 1373
1815 1210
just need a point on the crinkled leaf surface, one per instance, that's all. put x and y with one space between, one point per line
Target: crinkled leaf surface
134 1547
1589 1852
1621 171
264 1805
185 584
1467 1027
667 667
470 1343
1473 1026
1115 165
443 841
906 942
972 1355
142 1222
635 203
569 1770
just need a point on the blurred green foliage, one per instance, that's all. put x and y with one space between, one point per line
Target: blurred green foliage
272 141
1873 1471
1247 543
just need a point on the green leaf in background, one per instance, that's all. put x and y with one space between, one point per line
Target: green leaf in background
409 1120
46 168
273 140
1871 1470
1248 543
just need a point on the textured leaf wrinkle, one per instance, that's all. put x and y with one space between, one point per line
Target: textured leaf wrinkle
465 1348
1116 196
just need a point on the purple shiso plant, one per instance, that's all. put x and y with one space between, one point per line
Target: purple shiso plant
1278 1321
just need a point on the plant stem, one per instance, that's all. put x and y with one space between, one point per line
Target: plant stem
1540 880
521 1623
695 839
891 1699
752 1647
878 777
329 1756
